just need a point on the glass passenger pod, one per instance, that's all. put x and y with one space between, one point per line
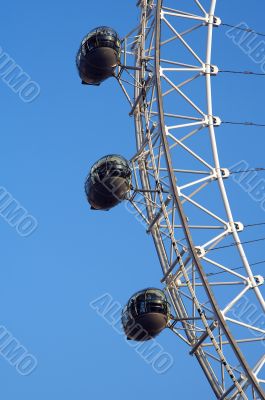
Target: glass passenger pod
99 55
108 182
146 314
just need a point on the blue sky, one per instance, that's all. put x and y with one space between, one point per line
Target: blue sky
74 256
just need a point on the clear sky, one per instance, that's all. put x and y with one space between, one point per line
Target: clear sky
74 256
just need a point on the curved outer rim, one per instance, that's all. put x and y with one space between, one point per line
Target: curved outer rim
172 178
158 242
217 163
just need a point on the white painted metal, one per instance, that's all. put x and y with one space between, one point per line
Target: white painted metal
165 169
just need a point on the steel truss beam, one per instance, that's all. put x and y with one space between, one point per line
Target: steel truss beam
163 198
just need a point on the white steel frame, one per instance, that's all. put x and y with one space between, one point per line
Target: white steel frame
227 347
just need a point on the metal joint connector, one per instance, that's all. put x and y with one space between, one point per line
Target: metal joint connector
212 120
225 173
210 69
238 226
200 251
258 281
212 19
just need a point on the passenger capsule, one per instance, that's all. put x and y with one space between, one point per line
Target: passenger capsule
108 182
145 315
98 55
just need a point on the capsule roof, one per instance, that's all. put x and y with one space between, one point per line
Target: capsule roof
110 159
101 30
149 294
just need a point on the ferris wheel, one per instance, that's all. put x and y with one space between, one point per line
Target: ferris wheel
175 181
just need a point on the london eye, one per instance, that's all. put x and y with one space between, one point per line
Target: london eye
176 182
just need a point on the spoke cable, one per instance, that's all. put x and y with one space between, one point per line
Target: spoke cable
243 123
256 224
249 30
234 269
259 169
241 72
237 243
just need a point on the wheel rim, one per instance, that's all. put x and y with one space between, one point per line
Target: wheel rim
203 315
